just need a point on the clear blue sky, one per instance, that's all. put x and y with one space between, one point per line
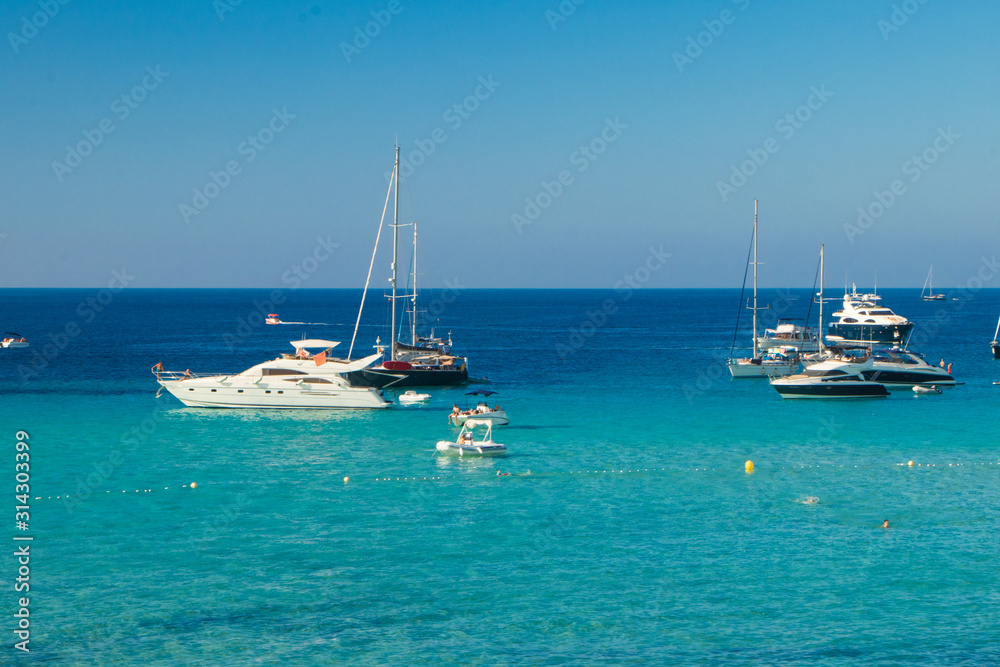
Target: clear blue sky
677 128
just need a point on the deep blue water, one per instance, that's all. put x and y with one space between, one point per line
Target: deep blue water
628 530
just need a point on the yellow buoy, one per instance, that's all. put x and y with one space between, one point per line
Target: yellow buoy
346 480
748 466
910 464
194 485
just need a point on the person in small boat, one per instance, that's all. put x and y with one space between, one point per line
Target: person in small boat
455 413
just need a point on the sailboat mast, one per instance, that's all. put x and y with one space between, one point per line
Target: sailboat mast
755 349
395 252
820 329
413 302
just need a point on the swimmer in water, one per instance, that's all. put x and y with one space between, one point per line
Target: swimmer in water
808 500
885 524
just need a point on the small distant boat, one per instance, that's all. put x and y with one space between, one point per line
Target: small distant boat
272 318
996 342
467 445
927 294
13 340
411 396
918 389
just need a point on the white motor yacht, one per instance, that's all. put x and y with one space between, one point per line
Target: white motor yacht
300 380
830 379
789 334
863 319
892 366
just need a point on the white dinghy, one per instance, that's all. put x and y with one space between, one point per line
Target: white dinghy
467 445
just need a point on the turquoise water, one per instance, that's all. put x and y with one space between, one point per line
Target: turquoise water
627 531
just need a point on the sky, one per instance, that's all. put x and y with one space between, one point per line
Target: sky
231 143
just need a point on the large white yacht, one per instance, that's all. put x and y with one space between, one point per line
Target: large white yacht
863 319
300 380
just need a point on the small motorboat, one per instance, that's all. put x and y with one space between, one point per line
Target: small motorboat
272 318
919 389
467 445
410 396
482 412
13 340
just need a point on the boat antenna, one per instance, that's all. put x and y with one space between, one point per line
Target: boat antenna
369 278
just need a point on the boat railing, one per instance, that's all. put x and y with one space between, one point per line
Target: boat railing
185 375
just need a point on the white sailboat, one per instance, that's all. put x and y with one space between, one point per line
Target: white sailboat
927 294
773 362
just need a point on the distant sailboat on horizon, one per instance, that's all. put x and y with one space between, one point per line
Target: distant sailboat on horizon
927 294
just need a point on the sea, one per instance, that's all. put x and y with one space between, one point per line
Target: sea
623 528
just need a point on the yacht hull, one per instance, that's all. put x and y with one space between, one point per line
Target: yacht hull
746 370
870 333
908 378
832 390
498 417
478 449
411 377
292 398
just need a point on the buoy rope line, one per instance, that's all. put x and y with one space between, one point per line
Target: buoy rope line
749 468
192 485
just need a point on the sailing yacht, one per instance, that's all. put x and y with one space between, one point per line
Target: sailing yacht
927 294
773 363
422 362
